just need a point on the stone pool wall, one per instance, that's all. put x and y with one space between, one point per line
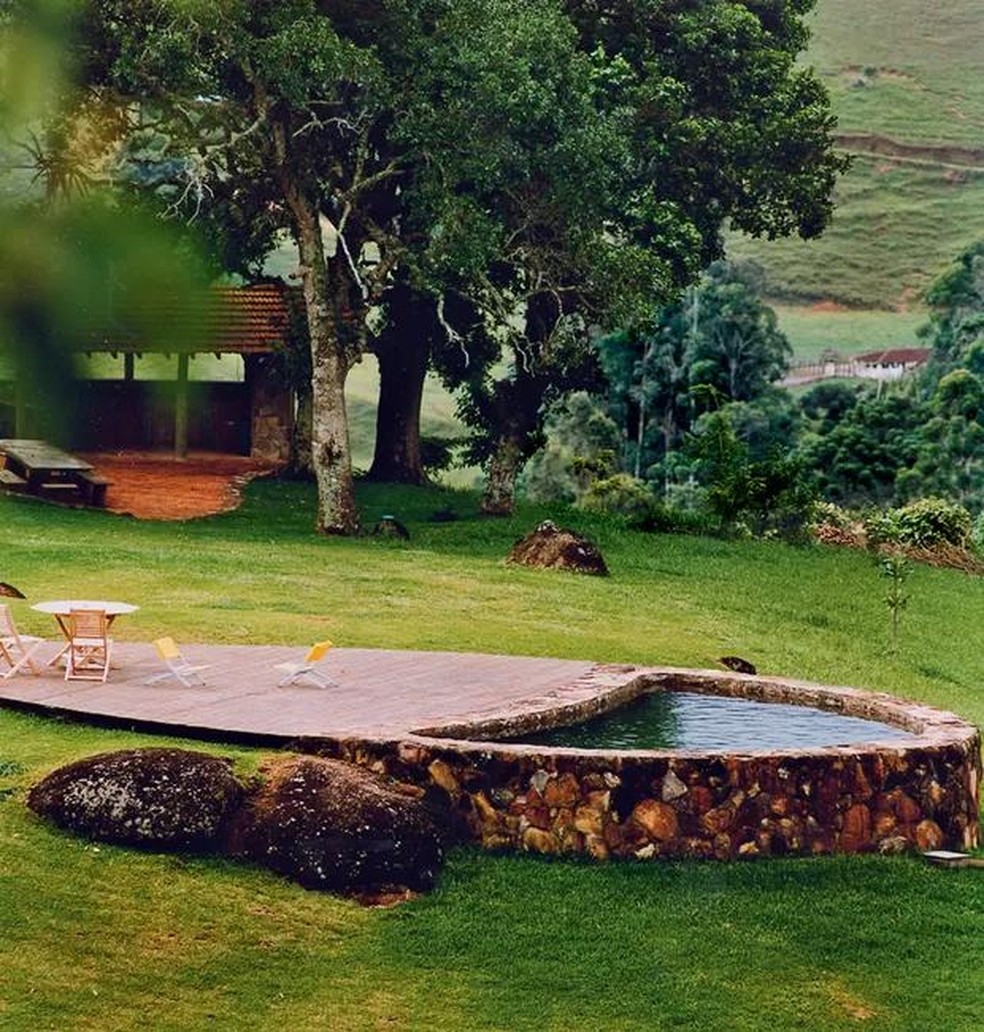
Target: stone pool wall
919 794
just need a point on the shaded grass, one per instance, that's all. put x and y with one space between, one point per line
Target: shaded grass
93 937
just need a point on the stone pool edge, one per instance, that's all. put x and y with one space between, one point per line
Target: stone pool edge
888 796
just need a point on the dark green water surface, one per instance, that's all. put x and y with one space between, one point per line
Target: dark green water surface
715 723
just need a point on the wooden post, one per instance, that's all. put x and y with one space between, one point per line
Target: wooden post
128 365
20 411
181 409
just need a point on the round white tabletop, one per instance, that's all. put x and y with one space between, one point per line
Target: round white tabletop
64 606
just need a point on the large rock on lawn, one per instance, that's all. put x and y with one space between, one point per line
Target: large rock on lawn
550 546
157 798
331 825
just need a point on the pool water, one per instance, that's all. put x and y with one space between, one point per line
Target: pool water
688 720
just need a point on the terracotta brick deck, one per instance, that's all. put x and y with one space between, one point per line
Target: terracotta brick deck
381 694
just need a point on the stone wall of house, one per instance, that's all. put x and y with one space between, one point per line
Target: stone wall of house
889 798
271 408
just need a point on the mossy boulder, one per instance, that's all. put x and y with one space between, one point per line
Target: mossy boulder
553 547
334 826
157 798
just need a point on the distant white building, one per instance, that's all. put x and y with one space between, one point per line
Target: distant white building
891 364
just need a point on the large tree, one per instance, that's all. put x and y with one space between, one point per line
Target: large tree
574 154
374 132
710 122
736 346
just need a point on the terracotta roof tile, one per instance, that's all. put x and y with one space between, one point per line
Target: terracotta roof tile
247 319
238 320
893 355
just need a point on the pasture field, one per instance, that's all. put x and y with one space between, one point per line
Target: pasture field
903 68
848 331
96 937
905 83
894 230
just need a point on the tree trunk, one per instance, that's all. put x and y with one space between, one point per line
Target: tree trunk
330 452
668 430
402 370
499 496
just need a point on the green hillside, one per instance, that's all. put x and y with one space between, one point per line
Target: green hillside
904 78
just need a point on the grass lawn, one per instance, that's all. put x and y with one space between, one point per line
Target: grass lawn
93 937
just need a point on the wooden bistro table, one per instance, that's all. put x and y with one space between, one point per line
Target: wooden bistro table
61 609
43 469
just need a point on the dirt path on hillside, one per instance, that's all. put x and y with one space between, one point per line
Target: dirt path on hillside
157 486
950 156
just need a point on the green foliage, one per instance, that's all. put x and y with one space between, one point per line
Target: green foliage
54 267
620 495
957 320
669 518
917 439
831 515
771 497
975 539
736 345
581 444
437 454
924 523
896 568
718 342
858 457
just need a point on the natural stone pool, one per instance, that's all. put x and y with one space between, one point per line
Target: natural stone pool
692 720
886 775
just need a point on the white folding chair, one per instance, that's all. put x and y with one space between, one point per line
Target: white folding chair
16 649
89 645
177 666
304 670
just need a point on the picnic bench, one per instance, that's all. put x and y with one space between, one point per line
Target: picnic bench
42 469
10 481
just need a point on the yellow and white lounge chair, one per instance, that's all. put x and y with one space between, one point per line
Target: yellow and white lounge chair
177 666
304 670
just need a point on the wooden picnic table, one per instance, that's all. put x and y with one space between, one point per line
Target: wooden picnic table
45 469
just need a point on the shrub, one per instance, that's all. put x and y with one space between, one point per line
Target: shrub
620 495
827 514
771 497
881 528
925 523
831 525
670 519
933 521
